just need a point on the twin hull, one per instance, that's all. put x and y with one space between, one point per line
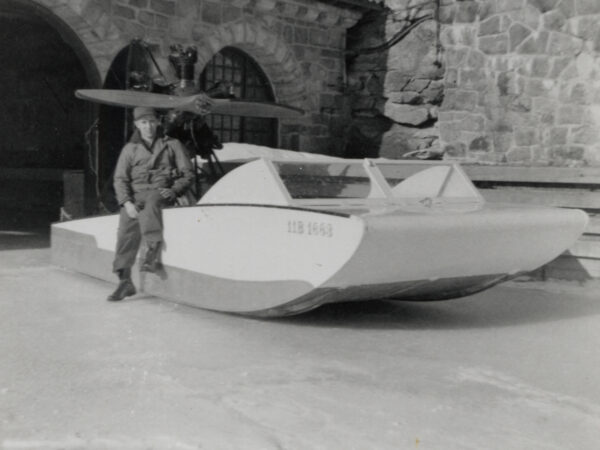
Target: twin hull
279 260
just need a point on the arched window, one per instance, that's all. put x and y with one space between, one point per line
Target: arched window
235 67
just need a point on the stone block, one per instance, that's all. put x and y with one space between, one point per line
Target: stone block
146 18
434 93
472 122
300 35
568 114
467 36
558 65
455 57
455 149
517 34
480 144
472 79
230 13
328 18
519 155
493 45
318 37
417 84
563 45
162 21
449 131
541 66
537 87
182 29
535 44
406 114
554 21
163 7
543 5
567 7
124 12
507 83
460 100
585 135
528 15
509 5
451 79
404 97
239 32
502 141
476 59
519 103
286 9
187 9
128 29
139 3
250 32
396 81
240 3
526 136
580 94
492 25
564 153
211 13
585 7
466 12
446 14
555 136
265 5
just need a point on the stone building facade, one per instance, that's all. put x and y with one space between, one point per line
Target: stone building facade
493 81
522 81
299 45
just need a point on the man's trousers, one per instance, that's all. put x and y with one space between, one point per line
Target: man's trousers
148 225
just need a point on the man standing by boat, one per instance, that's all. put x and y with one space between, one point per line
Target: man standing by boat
152 171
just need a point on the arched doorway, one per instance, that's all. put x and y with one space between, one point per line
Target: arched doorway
42 123
235 67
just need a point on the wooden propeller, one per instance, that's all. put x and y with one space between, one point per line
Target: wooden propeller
197 103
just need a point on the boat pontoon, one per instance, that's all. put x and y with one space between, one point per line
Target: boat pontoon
274 238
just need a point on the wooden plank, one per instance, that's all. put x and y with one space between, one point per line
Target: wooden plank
571 198
534 175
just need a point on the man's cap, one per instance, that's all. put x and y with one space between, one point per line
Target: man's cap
143 111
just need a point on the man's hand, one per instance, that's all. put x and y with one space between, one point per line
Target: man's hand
168 194
131 209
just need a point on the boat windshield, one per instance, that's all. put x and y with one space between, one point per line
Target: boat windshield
324 180
280 182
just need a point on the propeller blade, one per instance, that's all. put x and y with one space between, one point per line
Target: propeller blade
249 108
231 107
132 99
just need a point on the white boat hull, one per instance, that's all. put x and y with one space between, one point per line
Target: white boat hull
277 260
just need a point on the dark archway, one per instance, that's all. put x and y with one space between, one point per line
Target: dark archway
41 122
235 67
133 64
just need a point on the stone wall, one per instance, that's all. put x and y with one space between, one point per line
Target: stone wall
298 43
522 81
395 75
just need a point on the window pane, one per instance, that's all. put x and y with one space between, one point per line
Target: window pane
231 65
324 180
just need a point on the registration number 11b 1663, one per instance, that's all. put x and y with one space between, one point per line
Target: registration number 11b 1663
322 229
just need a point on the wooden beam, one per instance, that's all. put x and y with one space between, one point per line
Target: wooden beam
534 175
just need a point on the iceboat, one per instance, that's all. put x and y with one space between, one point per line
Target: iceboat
275 238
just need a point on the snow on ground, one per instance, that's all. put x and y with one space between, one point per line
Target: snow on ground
512 368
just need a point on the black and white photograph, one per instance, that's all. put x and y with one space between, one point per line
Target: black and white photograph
299 224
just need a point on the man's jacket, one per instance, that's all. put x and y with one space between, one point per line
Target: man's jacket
165 166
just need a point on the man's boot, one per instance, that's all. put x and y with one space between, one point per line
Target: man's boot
125 287
151 263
